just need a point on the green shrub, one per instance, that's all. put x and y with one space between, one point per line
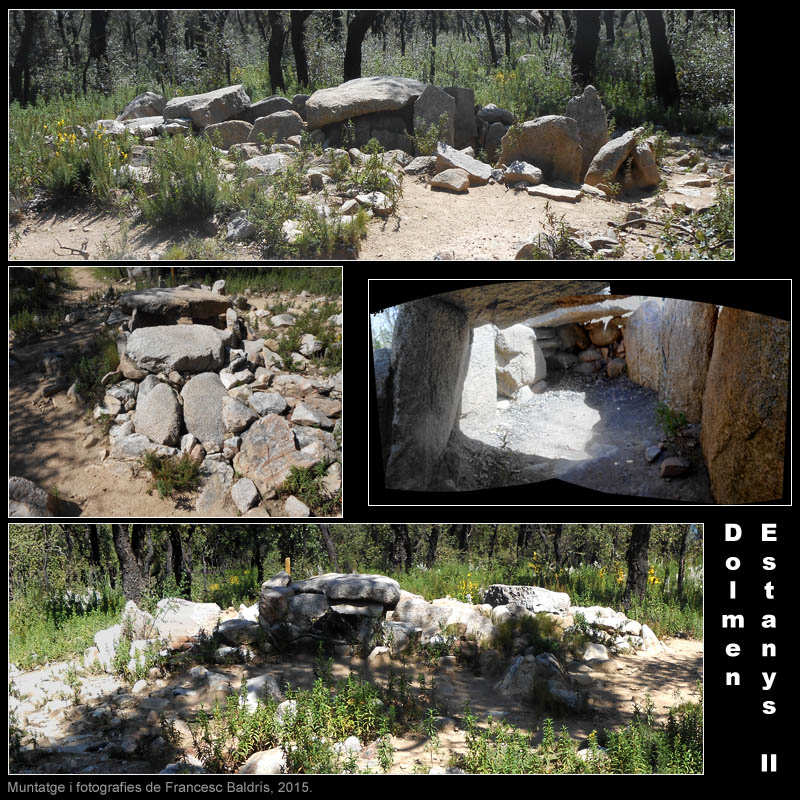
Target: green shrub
305 483
100 358
172 475
185 181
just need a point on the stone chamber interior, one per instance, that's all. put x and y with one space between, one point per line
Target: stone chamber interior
649 397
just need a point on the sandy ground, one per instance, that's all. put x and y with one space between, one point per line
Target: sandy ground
667 677
488 223
594 431
48 436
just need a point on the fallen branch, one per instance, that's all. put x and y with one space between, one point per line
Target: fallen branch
622 225
73 250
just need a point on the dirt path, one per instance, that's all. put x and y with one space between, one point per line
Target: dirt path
489 223
50 437
74 741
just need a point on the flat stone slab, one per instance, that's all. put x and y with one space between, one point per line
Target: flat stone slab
554 193
534 598
184 348
360 96
210 107
449 158
178 620
268 452
614 306
194 303
366 588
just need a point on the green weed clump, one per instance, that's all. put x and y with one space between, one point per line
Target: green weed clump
185 181
315 322
100 358
305 483
643 746
328 712
171 475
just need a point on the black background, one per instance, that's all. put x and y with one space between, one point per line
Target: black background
736 732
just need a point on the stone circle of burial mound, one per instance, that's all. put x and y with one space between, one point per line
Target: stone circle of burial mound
539 379
365 618
197 377
558 157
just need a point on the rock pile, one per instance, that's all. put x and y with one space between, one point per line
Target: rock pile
570 149
198 378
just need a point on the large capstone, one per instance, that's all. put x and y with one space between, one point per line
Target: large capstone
183 348
360 96
203 396
534 598
429 349
210 107
364 588
169 304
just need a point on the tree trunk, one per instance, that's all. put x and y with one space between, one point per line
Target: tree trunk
507 34
462 534
663 64
433 541
434 29
557 531
584 48
636 556
490 38
133 582
608 19
275 51
325 530
94 546
20 72
298 19
493 542
569 25
356 31
682 561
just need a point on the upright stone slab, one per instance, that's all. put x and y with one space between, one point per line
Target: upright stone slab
158 415
383 362
587 110
642 336
429 362
610 157
466 129
479 398
744 407
520 361
428 110
550 143
687 339
278 126
203 396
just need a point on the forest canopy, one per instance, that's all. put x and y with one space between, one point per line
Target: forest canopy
672 67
